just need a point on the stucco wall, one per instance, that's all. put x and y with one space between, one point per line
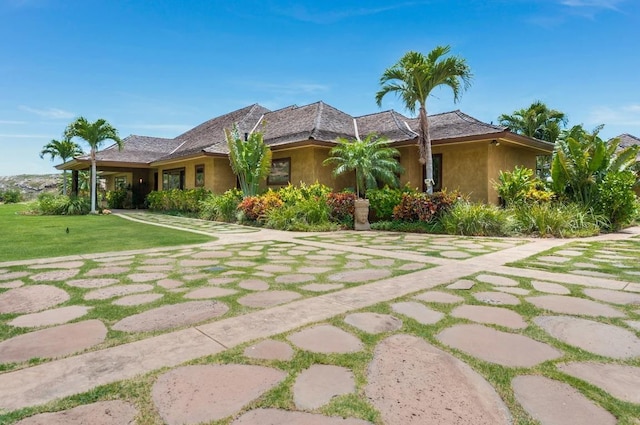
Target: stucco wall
306 166
504 158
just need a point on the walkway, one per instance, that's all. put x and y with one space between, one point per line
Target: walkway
259 286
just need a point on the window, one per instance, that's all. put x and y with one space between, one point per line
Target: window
120 182
280 172
437 173
199 176
173 179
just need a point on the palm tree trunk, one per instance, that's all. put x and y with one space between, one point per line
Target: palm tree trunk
93 181
425 149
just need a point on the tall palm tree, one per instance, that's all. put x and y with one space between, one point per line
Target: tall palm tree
371 159
413 78
94 133
536 121
65 150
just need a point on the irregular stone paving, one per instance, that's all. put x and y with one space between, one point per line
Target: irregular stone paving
57 316
317 385
268 299
595 337
203 293
30 299
172 316
439 297
572 305
550 288
54 276
114 412
53 342
322 287
463 284
614 297
494 346
490 315
620 381
92 283
61 265
418 312
285 417
270 350
496 298
497 280
117 291
556 403
413 382
373 323
11 285
194 394
138 299
326 339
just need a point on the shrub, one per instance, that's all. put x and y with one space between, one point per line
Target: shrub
616 198
11 196
514 185
117 198
221 207
557 219
50 204
473 219
291 194
341 207
304 215
255 208
187 201
433 226
383 201
423 207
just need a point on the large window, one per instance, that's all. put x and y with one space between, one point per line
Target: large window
199 176
437 173
280 172
120 182
173 179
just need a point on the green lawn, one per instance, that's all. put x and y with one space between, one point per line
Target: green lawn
26 237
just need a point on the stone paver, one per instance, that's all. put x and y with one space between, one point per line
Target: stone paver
254 285
53 342
113 412
56 316
556 403
463 284
92 283
595 337
497 280
512 290
413 382
193 394
204 293
439 297
550 288
32 298
11 285
373 323
620 381
573 305
55 275
614 297
270 350
117 291
496 298
172 316
317 385
137 299
286 417
418 312
490 315
268 298
455 254
295 278
363 275
498 347
146 277
326 339
105 271
322 287
169 283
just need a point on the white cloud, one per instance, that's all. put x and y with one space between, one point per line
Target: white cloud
24 136
600 4
9 122
320 16
625 115
49 112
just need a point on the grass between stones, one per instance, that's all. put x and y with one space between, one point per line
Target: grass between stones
27 237
356 405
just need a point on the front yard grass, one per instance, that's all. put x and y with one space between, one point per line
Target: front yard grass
26 237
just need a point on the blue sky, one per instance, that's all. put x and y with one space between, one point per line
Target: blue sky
160 67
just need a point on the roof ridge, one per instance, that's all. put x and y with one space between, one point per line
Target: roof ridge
405 129
629 135
317 121
471 119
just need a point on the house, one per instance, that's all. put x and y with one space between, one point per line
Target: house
468 154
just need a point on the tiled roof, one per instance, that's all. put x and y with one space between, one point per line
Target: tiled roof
389 124
137 149
628 140
456 124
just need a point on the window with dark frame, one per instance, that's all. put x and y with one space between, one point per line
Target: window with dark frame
280 172
173 179
199 181
437 173
120 182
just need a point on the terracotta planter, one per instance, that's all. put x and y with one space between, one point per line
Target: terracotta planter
361 215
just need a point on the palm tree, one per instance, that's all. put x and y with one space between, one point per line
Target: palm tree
250 159
413 78
64 149
372 160
536 121
94 133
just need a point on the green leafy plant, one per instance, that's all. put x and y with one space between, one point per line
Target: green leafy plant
473 219
557 220
291 194
371 158
117 198
422 206
255 208
341 207
176 200
383 201
250 159
51 204
11 196
616 198
514 185
221 207
536 121
304 215
64 149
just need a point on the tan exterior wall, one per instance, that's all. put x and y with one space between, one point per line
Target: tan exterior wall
221 177
505 158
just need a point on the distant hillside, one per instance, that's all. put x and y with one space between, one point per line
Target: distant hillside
31 185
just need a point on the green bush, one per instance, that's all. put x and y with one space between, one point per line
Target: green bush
341 208
423 207
176 200
291 194
304 215
221 207
558 220
117 198
433 226
50 204
472 219
383 201
255 208
11 196
514 185
616 198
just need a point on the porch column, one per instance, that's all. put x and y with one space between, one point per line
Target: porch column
74 182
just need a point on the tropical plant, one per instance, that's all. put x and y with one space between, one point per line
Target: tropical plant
424 207
11 196
472 219
413 78
65 150
582 160
221 207
341 207
536 121
250 159
371 158
94 133
384 200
